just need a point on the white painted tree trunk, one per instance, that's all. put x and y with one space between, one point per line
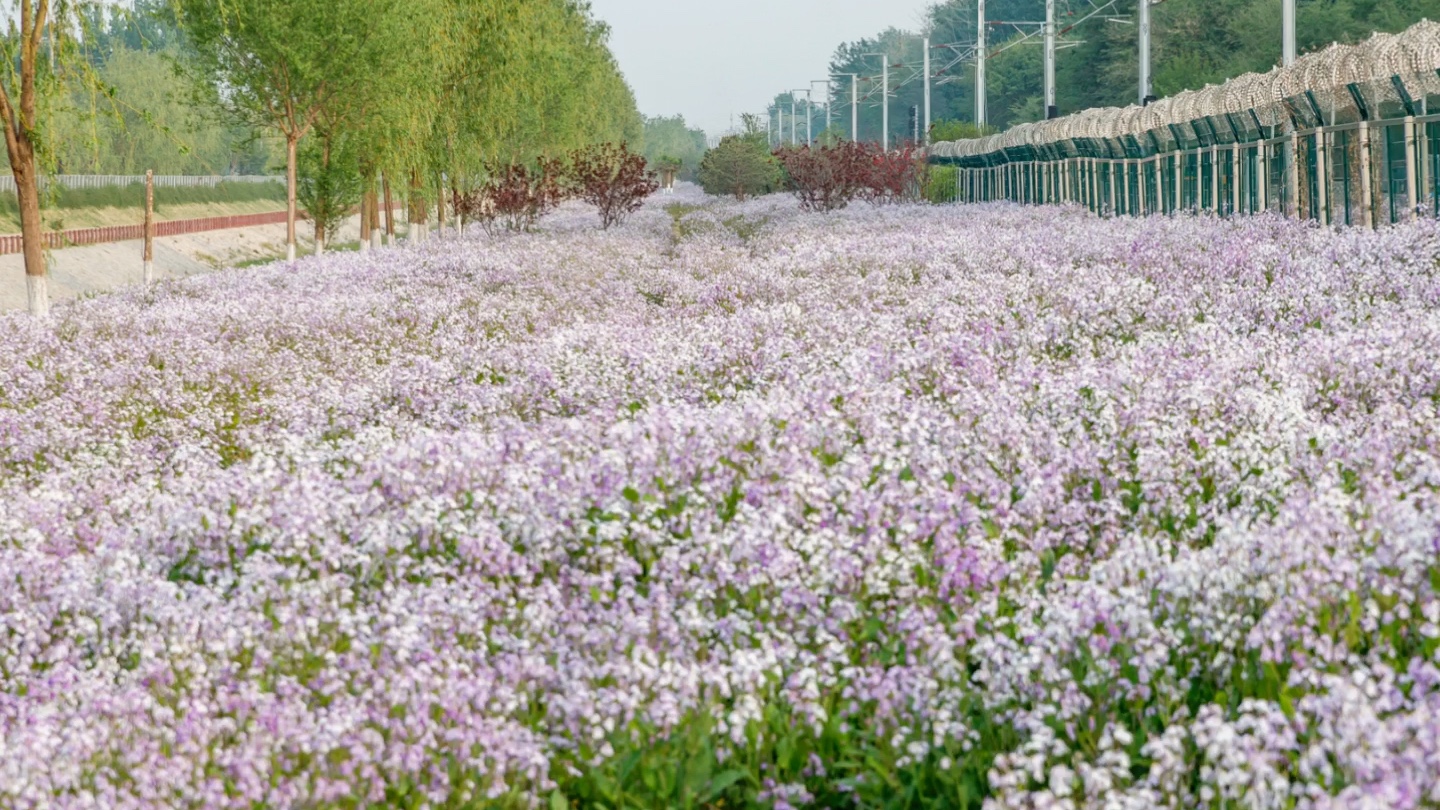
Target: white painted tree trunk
38 291
149 277
320 246
377 237
290 252
364 246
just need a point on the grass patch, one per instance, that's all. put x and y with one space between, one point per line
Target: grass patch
335 247
133 196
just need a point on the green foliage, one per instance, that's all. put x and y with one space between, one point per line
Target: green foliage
125 108
133 196
539 80
151 122
939 184
671 138
840 762
955 130
329 182
741 166
281 62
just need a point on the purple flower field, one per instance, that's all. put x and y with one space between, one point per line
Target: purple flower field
737 506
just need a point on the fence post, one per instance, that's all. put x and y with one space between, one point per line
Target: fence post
1293 174
1366 197
1125 186
1159 184
1234 178
1111 166
1422 154
149 254
1264 178
1179 181
1092 184
1410 167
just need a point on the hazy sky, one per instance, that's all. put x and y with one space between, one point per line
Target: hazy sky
708 59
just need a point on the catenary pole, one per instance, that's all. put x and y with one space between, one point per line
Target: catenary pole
884 98
854 106
854 102
926 62
828 100
808 114
885 104
1143 20
1287 22
1051 111
980 47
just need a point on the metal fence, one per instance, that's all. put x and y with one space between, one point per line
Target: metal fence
1344 136
7 182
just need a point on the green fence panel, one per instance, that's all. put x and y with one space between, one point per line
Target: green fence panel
1394 161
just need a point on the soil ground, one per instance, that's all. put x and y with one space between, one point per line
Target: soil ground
91 269
63 218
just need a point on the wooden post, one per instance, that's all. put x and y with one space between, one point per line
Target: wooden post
149 255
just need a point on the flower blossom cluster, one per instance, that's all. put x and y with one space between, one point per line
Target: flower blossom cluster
1106 513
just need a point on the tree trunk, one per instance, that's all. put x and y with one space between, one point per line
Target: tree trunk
389 213
375 228
454 200
27 192
440 204
365 221
419 211
291 141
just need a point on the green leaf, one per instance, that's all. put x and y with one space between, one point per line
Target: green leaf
557 801
720 784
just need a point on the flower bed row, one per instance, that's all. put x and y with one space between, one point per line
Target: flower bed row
741 507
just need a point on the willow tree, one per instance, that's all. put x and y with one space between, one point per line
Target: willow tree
283 63
540 80
34 56
389 116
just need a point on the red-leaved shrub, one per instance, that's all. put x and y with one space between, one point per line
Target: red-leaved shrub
828 177
894 176
514 195
825 178
611 178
